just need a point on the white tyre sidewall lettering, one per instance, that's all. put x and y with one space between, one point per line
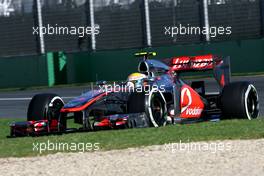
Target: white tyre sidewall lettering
246 97
55 98
149 106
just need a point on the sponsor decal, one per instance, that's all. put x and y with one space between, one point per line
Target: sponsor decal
201 63
185 62
187 97
193 111
186 93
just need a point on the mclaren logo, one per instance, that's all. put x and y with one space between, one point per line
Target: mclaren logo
185 93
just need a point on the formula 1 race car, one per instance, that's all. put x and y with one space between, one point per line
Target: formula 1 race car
156 96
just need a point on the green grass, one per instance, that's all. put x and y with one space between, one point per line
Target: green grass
120 139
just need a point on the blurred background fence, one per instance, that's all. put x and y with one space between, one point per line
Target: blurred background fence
123 23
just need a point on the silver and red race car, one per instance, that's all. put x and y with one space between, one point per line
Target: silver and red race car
159 97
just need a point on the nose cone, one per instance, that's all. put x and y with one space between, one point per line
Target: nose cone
82 99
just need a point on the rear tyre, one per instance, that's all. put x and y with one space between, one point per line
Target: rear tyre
240 100
44 107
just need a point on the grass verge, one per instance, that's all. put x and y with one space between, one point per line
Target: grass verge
120 139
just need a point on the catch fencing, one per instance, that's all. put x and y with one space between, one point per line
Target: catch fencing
117 24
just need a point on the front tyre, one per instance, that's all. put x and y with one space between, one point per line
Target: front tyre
44 107
240 100
156 108
152 103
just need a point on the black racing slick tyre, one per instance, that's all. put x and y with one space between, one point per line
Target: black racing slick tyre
153 104
136 102
156 109
240 100
44 107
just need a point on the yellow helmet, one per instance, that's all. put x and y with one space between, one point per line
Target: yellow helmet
136 79
136 76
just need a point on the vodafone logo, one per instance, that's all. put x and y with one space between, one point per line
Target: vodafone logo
187 97
186 93
194 111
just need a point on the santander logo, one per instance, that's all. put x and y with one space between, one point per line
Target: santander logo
187 97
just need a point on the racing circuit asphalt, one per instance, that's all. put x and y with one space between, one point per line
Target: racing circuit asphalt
13 104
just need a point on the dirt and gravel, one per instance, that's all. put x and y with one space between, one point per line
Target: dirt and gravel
237 157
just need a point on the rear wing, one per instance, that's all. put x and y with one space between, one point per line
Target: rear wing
219 65
194 63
